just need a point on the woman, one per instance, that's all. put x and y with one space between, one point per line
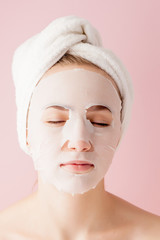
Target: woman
73 105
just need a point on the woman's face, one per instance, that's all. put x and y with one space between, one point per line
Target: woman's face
74 115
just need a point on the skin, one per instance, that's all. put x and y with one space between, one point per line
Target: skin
95 215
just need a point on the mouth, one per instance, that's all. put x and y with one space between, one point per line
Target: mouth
77 166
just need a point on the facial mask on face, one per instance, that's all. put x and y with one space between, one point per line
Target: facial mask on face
77 91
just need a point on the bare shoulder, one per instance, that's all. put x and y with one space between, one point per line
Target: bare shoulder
143 225
13 220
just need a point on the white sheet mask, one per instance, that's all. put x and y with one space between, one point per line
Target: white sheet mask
76 90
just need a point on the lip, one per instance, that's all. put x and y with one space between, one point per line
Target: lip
77 166
77 162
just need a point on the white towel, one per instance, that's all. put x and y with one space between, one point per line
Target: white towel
37 54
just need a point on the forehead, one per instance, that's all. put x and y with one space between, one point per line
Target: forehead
58 67
77 88
90 108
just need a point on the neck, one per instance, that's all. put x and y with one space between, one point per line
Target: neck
81 212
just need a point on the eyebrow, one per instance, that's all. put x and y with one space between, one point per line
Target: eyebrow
90 109
59 107
98 108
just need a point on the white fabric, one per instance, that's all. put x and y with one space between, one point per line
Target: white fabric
37 54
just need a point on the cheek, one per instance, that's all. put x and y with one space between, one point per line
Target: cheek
105 143
46 149
103 147
41 138
107 137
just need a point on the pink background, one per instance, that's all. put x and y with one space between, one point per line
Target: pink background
131 29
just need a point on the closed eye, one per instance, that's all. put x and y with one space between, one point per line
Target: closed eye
101 124
94 123
55 122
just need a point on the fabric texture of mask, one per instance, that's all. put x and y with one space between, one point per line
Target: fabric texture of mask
47 140
37 54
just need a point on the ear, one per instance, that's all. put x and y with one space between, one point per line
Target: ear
118 141
27 143
29 148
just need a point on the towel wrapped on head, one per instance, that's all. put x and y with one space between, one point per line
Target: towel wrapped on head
73 35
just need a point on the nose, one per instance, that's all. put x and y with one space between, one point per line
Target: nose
76 137
79 146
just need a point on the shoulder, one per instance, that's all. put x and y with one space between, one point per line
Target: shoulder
139 224
149 229
13 220
145 225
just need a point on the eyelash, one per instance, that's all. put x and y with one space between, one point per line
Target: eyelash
57 122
